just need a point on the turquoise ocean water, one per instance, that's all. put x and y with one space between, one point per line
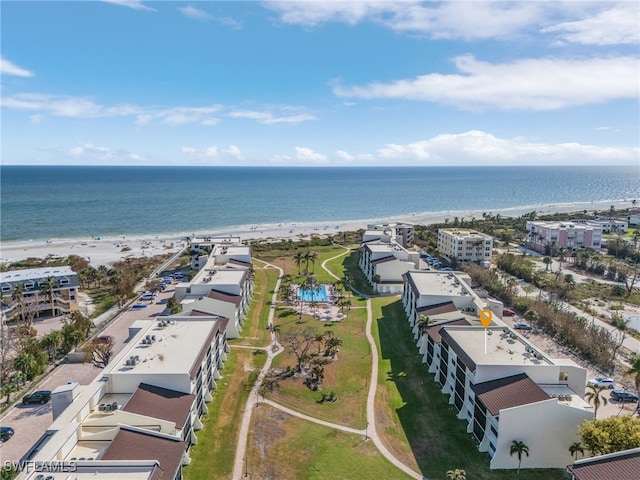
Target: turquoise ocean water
42 202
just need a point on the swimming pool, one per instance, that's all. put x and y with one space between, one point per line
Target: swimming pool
319 295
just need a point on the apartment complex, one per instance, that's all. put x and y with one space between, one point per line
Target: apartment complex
34 291
542 236
464 244
137 419
500 384
384 262
224 278
401 233
624 465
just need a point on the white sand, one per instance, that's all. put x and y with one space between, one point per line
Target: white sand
108 250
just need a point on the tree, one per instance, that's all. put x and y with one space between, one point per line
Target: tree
594 396
634 369
423 323
298 258
547 261
26 364
575 448
51 342
312 257
609 435
299 342
173 305
47 287
18 296
518 448
99 352
457 474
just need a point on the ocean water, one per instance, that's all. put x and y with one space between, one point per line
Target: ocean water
42 202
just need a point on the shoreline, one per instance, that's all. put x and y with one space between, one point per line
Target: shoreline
107 250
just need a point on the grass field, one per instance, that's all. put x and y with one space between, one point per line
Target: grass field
213 456
284 447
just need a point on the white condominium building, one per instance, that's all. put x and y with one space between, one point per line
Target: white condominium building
464 244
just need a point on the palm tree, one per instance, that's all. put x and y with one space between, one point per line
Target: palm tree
634 370
518 448
594 395
312 257
298 258
47 288
423 323
575 448
18 296
547 261
457 474
26 364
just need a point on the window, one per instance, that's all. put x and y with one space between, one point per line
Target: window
64 281
6 288
563 377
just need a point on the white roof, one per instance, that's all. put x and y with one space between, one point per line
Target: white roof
35 273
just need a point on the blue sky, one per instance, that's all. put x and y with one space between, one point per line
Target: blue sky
125 82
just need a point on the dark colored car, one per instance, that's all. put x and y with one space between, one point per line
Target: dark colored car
507 312
41 396
521 326
623 396
6 433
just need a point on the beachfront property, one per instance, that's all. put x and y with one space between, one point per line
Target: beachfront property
623 465
202 248
33 291
464 244
401 233
384 262
608 224
633 219
503 386
137 418
542 236
223 284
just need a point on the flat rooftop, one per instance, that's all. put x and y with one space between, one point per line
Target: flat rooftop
35 273
232 250
504 346
464 232
439 283
219 276
175 349
99 471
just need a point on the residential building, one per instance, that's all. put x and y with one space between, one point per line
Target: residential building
608 224
384 264
500 384
137 418
463 244
624 465
633 219
544 236
24 292
401 233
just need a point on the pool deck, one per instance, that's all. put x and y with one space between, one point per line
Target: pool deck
325 310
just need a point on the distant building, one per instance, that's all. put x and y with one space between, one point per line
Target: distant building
464 245
384 262
633 219
547 235
401 233
31 282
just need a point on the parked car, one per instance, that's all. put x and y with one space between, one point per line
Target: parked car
507 312
148 296
522 326
623 396
6 433
103 339
41 396
177 275
602 382
446 269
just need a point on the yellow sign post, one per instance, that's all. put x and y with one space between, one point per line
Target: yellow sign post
486 316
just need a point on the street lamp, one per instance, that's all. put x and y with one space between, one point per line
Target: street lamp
246 467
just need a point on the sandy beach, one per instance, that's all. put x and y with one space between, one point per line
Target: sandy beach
107 250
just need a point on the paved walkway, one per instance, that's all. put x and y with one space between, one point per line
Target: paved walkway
369 432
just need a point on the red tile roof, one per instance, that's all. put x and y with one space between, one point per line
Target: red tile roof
136 445
436 308
162 403
623 465
225 297
509 392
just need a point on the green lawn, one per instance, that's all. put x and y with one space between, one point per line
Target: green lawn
284 447
213 456
420 427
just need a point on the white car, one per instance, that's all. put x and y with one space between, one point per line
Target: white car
148 296
603 382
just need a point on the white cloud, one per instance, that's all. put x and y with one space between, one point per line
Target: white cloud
619 24
211 151
438 20
527 84
94 153
481 148
196 13
269 118
234 152
344 155
189 150
308 155
134 4
9 68
37 119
